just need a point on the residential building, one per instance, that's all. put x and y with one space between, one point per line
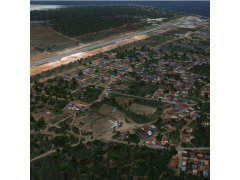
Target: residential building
174 157
195 172
143 135
173 165
184 153
185 136
192 154
195 160
205 173
206 163
78 106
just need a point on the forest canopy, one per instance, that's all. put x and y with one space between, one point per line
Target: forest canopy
81 20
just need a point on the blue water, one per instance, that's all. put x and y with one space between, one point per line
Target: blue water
193 7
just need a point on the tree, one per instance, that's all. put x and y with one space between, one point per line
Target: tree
120 106
40 124
172 150
113 97
56 109
129 103
144 147
32 118
167 145
115 71
74 160
54 156
61 168
80 73
159 120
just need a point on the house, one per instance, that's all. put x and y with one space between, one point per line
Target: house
185 119
191 102
157 143
186 112
143 135
205 173
183 168
173 165
153 127
171 111
168 120
192 154
176 108
149 133
180 116
195 160
163 143
145 128
184 164
185 100
70 105
194 166
155 96
194 172
207 156
187 128
184 153
184 159
149 142
114 90
174 157
78 106
206 163
185 136
206 168
200 156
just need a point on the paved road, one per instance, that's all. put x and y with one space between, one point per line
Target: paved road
58 57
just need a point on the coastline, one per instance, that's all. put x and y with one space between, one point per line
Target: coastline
46 7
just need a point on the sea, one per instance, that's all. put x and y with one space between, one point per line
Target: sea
201 8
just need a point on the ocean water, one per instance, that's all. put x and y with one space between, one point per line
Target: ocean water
201 8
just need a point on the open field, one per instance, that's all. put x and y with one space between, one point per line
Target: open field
141 109
102 125
105 109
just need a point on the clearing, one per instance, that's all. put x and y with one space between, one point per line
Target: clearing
141 109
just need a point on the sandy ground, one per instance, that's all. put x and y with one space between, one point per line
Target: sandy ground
141 109
158 19
74 57
102 125
104 110
190 23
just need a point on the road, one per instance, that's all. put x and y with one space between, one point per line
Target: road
58 57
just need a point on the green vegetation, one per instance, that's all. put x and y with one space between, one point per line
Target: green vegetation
201 134
78 21
39 144
87 133
203 69
88 94
89 162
